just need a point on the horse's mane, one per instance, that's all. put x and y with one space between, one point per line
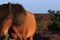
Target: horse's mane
17 11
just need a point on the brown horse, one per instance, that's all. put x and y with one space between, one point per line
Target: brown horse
17 22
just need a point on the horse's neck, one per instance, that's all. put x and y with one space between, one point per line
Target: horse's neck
22 28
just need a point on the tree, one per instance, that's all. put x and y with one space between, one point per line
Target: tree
54 27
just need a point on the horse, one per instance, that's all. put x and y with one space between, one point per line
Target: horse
15 21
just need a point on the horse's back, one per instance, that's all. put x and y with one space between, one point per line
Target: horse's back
31 24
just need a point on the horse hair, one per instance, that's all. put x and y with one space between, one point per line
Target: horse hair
17 10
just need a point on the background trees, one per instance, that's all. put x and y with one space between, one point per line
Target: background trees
54 26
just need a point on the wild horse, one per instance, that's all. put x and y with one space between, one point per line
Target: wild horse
15 21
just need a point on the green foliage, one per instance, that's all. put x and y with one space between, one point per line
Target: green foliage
55 18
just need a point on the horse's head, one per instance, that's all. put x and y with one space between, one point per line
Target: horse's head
5 19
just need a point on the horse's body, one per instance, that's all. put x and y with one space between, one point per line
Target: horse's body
28 28
24 30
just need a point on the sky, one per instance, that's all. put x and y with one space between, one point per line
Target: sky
36 6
